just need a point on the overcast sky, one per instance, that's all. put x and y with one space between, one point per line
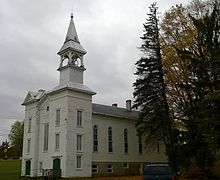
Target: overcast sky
32 32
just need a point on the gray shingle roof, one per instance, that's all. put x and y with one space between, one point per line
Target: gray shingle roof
33 96
114 111
72 40
74 86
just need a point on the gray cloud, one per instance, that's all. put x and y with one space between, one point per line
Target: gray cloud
32 32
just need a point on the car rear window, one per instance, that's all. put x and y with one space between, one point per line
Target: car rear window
157 170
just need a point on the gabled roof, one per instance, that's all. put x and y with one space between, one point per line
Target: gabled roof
72 40
33 96
98 109
114 111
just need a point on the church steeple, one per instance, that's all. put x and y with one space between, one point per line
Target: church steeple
71 33
72 40
72 52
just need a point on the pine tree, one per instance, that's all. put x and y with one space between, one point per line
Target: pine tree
207 86
150 91
202 135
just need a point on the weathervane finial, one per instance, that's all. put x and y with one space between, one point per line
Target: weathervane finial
71 16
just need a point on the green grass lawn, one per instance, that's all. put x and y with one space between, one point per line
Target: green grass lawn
10 169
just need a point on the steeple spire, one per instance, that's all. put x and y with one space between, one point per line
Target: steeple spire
72 52
72 39
71 33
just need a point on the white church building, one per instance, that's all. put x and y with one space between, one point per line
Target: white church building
67 135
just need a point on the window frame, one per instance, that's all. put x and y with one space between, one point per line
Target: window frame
78 161
28 145
29 124
125 141
95 138
57 141
110 140
46 137
79 142
95 168
79 118
58 117
109 169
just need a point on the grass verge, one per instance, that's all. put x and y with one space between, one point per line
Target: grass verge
10 169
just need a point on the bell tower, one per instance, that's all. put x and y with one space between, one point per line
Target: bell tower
71 57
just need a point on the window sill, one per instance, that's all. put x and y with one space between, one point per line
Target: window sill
79 152
79 169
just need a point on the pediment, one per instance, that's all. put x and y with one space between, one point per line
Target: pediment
33 96
29 97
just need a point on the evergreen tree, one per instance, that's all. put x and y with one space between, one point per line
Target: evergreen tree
150 91
202 135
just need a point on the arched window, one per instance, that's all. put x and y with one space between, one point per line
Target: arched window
110 145
125 141
95 138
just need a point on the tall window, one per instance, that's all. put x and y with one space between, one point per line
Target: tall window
79 142
28 145
140 144
29 125
79 118
78 162
57 117
57 141
110 145
46 136
125 141
95 138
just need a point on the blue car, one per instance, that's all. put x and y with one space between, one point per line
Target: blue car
157 172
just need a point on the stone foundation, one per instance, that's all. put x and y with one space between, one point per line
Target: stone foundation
118 168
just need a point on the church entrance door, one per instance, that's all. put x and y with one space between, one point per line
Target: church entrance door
56 164
56 168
